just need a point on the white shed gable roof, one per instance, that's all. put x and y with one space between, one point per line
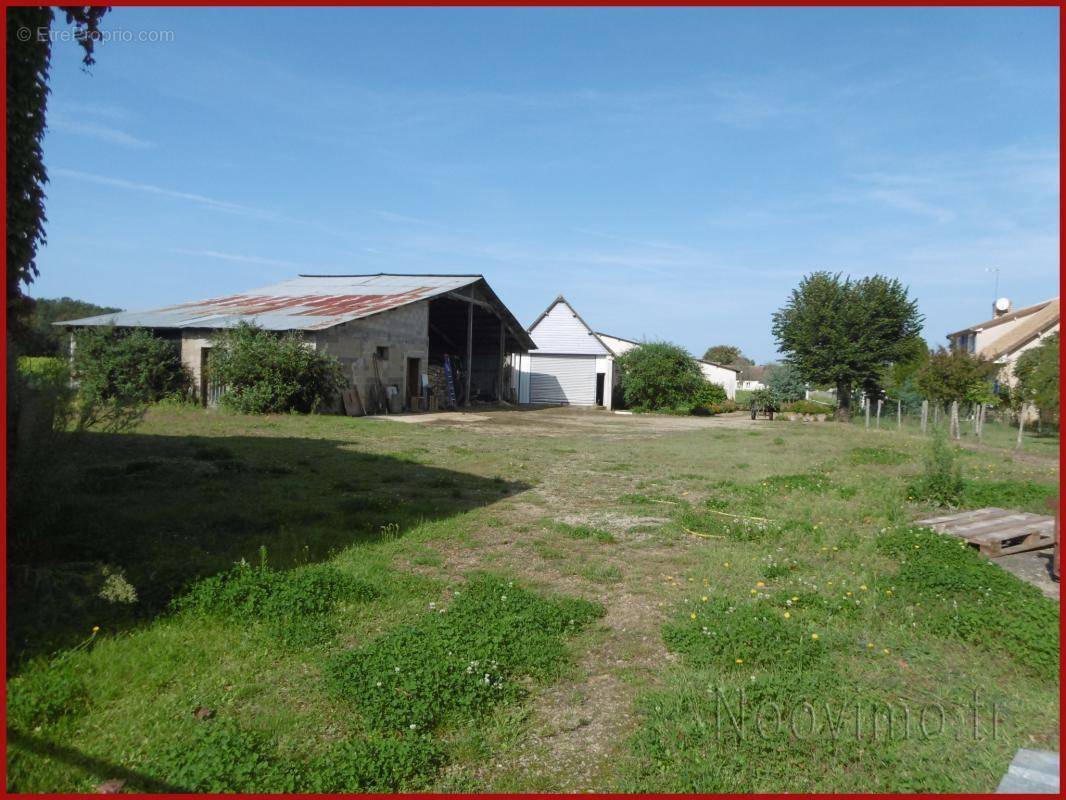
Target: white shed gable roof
561 330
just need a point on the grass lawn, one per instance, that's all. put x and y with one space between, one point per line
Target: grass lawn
517 601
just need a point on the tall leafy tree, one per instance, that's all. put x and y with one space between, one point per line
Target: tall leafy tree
949 375
1037 372
29 53
728 354
845 332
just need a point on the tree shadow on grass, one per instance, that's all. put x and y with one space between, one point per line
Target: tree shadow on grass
114 511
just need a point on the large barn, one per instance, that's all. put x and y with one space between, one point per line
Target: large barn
574 365
386 331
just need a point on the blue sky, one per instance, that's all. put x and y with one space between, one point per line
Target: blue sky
673 172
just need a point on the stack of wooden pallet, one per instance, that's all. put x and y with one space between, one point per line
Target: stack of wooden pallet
996 531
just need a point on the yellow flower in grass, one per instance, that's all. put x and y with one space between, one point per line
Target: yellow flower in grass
753 591
869 645
740 660
96 629
760 583
814 636
726 564
885 651
863 587
693 615
788 615
703 599
795 599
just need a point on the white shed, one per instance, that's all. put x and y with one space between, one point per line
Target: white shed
574 365
570 366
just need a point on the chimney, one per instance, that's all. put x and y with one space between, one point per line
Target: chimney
1001 307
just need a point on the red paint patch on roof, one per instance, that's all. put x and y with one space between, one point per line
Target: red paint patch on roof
307 304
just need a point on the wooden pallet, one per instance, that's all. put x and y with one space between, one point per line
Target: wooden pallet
996 531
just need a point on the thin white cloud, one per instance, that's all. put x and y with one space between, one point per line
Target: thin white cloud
240 258
203 201
99 131
906 201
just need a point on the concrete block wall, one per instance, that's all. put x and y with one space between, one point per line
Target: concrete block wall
404 331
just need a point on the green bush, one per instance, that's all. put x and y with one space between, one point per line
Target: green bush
966 596
941 482
119 373
264 373
660 376
460 661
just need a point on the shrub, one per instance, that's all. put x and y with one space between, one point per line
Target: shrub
966 596
266 373
659 376
460 661
119 373
941 483
763 400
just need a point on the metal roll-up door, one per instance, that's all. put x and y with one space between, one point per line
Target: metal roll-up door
563 379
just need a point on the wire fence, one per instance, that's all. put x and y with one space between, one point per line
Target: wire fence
986 424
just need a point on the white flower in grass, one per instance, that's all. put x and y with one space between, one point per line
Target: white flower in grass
413 727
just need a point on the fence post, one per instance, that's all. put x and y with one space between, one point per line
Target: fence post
1021 427
866 403
899 414
953 423
925 415
879 401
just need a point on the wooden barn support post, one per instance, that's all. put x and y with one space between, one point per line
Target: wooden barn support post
503 358
467 367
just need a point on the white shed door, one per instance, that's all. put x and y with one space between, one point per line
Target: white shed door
563 379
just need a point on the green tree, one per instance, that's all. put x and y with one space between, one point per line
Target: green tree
29 53
40 337
728 355
660 376
786 384
264 372
1037 373
120 373
844 332
955 375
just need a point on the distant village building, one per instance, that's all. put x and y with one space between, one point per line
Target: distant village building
390 333
574 365
1008 334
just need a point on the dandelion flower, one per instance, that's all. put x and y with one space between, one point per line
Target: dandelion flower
753 591
693 615
740 660
863 587
788 615
814 636
96 629
795 599
869 645
726 564
703 599
759 583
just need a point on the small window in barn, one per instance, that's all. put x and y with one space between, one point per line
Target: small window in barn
382 354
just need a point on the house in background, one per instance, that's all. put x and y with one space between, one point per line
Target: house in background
1008 334
386 330
574 365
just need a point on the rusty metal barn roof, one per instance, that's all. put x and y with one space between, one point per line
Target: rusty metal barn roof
309 303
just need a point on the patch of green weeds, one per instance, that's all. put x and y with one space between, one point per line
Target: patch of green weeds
46 692
741 634
458 662
877 455
601 573
360 503
964 595
941 481
1024 495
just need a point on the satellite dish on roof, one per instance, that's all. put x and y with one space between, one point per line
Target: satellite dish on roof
1003 305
